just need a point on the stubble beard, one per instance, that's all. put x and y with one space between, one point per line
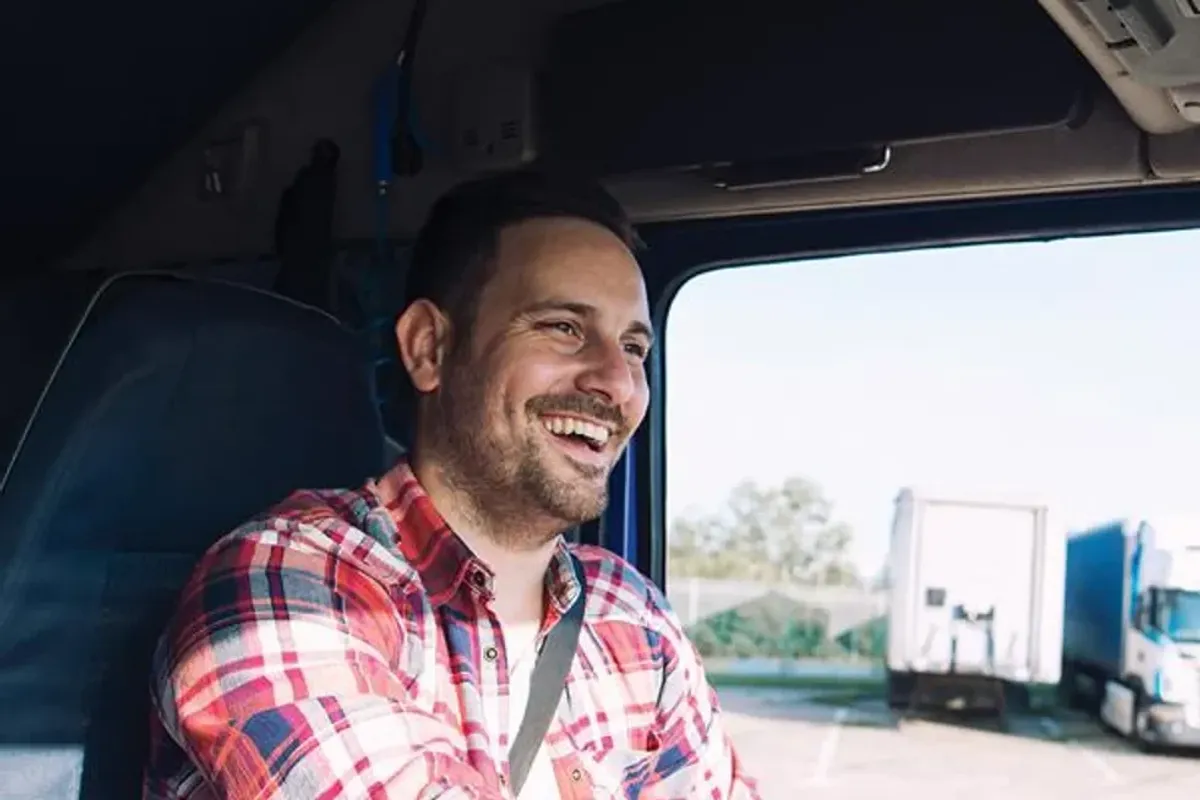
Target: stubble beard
512 489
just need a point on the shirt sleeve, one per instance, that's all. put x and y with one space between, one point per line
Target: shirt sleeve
275 679
692 723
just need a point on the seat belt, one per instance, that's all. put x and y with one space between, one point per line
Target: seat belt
546 685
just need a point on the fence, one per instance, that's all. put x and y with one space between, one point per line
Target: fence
752 629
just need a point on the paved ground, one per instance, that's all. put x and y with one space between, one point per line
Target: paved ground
800 748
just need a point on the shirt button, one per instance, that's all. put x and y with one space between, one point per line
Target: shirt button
576 775
490 654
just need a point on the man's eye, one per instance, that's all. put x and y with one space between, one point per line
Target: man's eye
637 350
562 326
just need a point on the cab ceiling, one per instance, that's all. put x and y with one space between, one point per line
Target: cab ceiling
109 117
97 95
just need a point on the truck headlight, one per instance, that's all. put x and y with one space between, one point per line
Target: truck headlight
1164 715
1168 719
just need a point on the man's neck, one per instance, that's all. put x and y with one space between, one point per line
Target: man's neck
520 576
520 573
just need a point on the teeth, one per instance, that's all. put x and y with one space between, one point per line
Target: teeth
566 426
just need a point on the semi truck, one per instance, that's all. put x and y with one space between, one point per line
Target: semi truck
975 606
1131 641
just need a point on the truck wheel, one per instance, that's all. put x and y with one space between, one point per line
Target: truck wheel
1016 698
1089 699
1069 696
899 691
1138 727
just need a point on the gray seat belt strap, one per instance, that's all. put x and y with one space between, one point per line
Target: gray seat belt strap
547 684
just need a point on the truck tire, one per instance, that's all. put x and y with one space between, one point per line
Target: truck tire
1079 699
1140 702
899 690
1069 696
1016 698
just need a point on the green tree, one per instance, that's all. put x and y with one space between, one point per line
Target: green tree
782 534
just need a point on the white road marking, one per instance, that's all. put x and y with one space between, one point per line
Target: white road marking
1106 770
820 774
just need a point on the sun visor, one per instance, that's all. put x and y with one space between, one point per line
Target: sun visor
763 92
1157 42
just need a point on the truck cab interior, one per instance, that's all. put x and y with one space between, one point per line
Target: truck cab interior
206 207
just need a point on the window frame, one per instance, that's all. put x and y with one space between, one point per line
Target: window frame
679 251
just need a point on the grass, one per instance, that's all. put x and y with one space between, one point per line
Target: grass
843 698
825 691
839 692
858 685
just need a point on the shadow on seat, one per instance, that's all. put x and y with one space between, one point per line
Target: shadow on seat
173 410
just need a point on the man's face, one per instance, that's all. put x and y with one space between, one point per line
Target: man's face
539 403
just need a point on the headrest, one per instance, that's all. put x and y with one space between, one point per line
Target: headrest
179 407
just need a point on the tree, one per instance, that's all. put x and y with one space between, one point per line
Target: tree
784 534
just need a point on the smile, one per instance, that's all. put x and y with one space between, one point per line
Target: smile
592 434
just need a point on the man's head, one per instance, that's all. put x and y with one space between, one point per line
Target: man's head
524 335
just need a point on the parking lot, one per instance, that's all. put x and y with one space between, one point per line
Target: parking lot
801 745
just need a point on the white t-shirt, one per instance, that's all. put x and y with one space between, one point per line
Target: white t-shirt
540 783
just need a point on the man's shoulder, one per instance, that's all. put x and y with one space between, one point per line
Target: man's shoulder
311 526
616 589
318 507
327 510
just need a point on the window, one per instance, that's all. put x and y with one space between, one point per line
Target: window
802 398
1178 615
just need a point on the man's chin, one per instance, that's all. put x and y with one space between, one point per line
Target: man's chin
577 463
583 478
584 510
573 493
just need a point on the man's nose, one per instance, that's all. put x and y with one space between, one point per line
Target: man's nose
609 373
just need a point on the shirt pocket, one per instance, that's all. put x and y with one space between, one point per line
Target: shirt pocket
618 771
660 774
613 730
614 712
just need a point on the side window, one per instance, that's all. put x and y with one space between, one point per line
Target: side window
983 388
1156 610
1142 617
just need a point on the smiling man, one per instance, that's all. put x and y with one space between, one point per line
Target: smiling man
432 635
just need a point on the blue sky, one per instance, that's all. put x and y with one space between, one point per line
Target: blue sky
1066 371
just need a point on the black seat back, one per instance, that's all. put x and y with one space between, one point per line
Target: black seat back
176 409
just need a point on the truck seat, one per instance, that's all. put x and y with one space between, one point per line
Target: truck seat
142 417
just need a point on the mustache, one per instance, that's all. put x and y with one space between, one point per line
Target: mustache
583 405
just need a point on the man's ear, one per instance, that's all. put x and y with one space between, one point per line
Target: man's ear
423 338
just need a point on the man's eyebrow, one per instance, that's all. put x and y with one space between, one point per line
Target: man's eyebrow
642 329
585 310
575 307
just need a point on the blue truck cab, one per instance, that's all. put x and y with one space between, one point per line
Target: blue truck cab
1131 637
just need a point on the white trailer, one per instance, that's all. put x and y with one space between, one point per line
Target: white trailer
976 601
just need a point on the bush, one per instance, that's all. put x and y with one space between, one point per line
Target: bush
772 626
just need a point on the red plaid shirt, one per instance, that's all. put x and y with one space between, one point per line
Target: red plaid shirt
342 646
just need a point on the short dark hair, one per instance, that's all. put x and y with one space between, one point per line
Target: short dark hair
455 251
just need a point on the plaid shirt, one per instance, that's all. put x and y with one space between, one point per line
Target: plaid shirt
342 646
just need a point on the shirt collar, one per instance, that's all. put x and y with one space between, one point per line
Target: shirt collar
441 558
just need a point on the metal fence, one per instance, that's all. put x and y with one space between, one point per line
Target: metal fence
752 629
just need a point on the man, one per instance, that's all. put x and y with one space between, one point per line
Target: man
381 642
